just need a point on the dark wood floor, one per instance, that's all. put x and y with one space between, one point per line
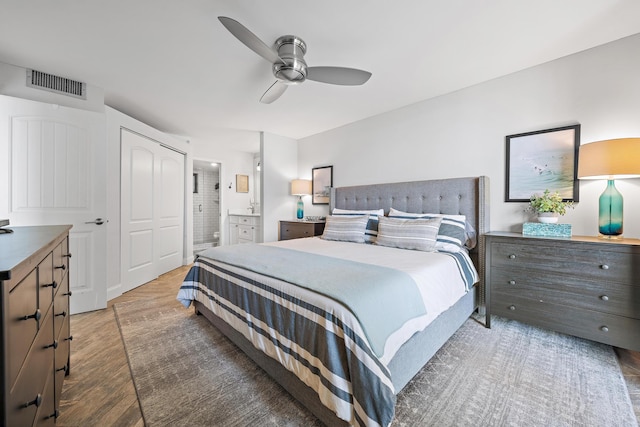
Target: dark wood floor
100 390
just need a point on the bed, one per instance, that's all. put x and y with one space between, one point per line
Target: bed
350 368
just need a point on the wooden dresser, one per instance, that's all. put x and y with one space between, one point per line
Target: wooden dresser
299 229
35 334
582 286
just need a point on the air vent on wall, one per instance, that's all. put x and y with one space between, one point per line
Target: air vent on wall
64 86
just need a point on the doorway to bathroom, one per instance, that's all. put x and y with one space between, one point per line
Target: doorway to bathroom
206 205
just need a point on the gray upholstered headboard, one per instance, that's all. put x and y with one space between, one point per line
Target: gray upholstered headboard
459 196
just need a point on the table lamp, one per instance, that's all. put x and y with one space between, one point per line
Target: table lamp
300 187
610 159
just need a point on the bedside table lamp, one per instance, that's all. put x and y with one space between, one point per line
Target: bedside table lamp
300 187
610 159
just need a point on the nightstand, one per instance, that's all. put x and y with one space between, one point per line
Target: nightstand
582 286
299 229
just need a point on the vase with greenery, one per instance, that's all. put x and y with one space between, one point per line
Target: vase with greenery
549 206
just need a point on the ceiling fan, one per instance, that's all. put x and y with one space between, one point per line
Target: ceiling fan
289 67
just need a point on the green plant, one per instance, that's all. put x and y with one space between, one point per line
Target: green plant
549 202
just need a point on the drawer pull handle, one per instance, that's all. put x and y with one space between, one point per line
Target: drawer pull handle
512 282
604 267
55 414
512 256
61 267
604 328
51 285
37 401
66 256
69 338
604 298
63 314
54 345
37 315
512 307
64 368
67 294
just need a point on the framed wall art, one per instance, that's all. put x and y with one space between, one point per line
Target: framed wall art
242 183
540 160
321 183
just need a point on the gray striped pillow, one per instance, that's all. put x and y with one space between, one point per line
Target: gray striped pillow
372 226
345 228
417 234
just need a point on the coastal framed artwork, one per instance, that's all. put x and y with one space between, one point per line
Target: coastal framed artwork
321 183
540 160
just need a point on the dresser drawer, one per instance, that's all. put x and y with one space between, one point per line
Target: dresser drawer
292 230
602 327
297 230
46 415
61 305
594 261
22 322
613 298
61 358
61 260
46 284
27 392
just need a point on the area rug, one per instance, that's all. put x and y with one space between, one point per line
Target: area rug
186 373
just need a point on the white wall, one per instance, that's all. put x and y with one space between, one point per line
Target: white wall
279 167
232 162
463 133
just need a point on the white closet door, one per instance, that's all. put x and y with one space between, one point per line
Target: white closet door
52 162
152 209
170 210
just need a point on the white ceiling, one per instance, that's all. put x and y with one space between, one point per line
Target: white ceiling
172 64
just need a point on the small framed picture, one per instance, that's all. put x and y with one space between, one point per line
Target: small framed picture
541 160
242 183
321 183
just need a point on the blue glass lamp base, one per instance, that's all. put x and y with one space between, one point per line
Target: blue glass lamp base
610 215
300 210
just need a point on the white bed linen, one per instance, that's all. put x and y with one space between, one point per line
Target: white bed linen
435 274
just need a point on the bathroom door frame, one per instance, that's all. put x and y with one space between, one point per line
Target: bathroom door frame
220 198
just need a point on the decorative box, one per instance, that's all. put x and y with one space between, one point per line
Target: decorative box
546 230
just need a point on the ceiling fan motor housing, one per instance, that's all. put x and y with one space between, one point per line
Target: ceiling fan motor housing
291 50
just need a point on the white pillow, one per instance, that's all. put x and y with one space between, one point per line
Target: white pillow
418 234
372 225
345 228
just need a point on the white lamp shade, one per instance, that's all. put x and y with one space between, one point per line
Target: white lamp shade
610 159
300 187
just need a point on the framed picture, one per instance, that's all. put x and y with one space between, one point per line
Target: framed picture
321 183
242 183
540 160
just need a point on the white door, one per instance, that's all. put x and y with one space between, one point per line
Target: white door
53 171
152 186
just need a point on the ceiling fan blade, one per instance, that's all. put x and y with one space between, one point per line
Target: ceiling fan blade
338 75
274 92
249 39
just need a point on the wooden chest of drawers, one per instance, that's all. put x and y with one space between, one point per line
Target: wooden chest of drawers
582 286
299 229
35 334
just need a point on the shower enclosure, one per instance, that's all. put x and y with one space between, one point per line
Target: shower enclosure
206 205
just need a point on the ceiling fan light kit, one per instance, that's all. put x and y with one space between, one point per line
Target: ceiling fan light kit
289 66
